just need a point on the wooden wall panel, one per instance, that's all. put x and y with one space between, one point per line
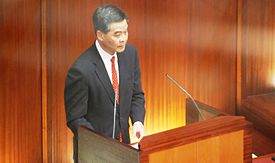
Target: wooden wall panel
69 33
258 46
195 42
20 82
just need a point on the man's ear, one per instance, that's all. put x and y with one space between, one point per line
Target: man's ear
99 35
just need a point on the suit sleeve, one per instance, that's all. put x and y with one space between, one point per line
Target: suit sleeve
76 98
137 112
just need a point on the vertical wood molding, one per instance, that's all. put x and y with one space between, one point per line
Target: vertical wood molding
239 77
44 80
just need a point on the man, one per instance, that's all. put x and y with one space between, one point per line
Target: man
106 72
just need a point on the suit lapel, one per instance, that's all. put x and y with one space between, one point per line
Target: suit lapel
122 75
102 74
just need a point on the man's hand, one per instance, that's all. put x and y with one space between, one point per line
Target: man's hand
138 130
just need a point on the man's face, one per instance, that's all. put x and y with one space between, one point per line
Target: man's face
115 40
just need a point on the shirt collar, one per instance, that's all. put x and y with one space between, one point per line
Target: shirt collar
104 55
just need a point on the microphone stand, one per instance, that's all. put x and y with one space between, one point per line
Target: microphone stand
185 92
114 123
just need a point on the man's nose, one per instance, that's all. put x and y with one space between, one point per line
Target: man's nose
123 38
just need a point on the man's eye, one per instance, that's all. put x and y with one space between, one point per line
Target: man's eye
117 34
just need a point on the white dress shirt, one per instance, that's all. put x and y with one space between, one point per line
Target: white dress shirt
106 57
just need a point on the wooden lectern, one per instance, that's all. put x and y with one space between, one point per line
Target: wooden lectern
219 139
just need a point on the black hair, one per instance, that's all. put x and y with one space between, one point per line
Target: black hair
105 15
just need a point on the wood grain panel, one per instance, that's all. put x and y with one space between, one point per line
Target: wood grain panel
195 42
69 33
185 153
44 80
262 144
260 110
258 46
226 128
210 150
20 82
165 102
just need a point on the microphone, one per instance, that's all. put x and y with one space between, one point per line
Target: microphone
114 123
185 92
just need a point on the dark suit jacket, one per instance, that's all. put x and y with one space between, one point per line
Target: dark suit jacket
89 95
